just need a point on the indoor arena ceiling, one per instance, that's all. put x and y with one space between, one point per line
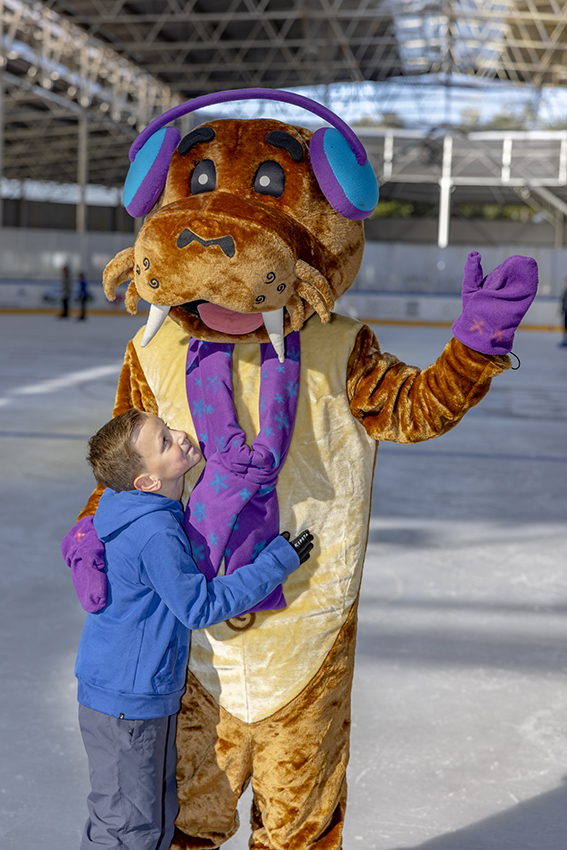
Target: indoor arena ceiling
119 63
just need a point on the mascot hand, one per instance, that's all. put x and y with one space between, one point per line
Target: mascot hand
494 306
303 544
84 554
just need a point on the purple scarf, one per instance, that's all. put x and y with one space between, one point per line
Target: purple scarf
233 510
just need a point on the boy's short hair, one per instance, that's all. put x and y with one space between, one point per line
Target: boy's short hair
112 454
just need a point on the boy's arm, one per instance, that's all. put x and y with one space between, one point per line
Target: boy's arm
197 602
82 550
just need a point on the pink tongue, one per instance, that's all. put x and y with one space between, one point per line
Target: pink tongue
227 321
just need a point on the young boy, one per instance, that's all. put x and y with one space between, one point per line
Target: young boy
132 658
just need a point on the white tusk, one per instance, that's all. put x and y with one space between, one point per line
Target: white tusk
273 322
158 315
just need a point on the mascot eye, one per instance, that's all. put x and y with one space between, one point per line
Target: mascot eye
204 177
270 179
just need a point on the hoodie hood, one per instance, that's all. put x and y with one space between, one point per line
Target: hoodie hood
116 510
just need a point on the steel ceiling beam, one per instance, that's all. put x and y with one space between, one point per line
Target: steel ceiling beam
124 62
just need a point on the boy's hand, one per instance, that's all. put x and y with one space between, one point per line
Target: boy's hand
303 544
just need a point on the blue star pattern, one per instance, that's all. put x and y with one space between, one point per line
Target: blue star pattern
245 494
213 382
292 389
200 511
213 539
219 482
282 420
198 552
198 407
292 352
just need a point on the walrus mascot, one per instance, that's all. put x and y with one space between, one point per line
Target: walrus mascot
253 229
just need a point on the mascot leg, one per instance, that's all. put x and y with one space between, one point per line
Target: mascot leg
296 759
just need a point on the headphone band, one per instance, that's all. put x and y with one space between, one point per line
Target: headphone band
251 94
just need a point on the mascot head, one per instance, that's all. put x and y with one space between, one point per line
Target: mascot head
251 226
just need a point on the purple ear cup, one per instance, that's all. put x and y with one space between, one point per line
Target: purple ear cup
350 188
148 172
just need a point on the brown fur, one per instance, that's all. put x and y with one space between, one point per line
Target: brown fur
405 404
296 760
294 251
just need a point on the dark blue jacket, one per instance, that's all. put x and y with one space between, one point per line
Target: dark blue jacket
133 654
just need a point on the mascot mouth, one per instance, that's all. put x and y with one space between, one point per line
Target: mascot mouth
227 321
230 322
222 319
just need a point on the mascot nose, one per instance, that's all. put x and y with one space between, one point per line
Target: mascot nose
225 242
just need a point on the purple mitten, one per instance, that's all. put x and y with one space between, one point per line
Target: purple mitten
494 306
84 553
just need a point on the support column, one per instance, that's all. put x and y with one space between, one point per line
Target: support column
82 172
2 111
445 186
2 123
559 225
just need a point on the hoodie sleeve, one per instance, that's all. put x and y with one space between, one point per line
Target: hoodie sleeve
171 572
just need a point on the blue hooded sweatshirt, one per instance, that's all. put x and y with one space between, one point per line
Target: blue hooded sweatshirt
132 659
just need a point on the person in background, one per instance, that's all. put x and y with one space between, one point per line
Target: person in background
83 296
65 292
563 311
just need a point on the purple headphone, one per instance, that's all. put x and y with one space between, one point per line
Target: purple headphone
339 160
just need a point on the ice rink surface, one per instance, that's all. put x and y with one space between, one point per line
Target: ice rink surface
459 737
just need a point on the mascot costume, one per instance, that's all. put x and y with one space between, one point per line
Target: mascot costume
253 229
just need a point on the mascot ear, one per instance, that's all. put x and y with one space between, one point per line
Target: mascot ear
350 188
148 172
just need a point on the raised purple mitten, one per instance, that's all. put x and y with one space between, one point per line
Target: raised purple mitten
494 306
84 553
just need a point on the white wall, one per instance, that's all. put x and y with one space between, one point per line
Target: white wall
397 281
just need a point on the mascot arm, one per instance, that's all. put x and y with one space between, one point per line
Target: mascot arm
404 404
82 550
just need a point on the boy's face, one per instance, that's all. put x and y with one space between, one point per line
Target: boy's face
167 454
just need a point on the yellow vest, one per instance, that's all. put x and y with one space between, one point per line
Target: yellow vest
325 485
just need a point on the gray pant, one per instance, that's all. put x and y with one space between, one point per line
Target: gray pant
133 799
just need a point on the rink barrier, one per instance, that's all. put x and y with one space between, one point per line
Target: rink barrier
373 307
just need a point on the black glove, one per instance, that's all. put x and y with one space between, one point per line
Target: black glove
303 544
